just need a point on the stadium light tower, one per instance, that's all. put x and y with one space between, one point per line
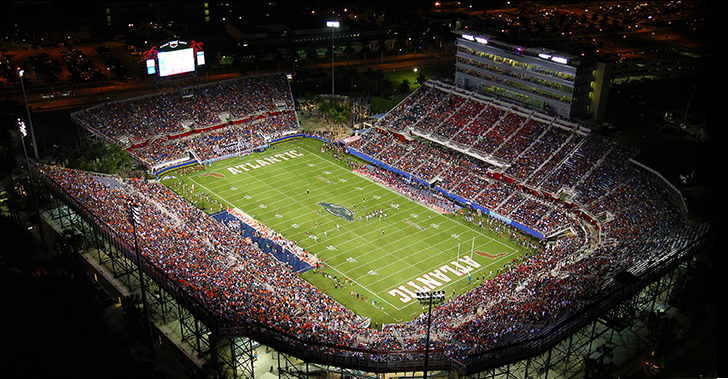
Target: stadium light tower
30 121
134 219
333 25
429 298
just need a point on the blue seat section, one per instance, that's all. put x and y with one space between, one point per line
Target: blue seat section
282 255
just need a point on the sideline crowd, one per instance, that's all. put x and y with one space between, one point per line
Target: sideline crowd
244 286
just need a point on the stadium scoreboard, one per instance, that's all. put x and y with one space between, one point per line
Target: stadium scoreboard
174 58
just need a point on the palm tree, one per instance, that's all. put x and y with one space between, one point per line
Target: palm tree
291 56
404 87
374 80
343 116
350 73
311 53
348 51
421 79
324 107
365 50
277 58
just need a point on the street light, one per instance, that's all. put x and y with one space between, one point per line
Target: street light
30 121
429 298
23 134
333 25
134 219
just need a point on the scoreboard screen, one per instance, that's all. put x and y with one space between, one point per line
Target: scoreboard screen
176 62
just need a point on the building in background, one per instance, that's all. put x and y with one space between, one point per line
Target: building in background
557 81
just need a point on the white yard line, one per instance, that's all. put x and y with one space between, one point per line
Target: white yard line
383 252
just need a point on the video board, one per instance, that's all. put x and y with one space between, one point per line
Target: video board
176 62
174 58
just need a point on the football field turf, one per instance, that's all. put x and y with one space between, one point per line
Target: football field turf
319 202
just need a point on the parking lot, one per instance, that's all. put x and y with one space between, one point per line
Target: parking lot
70 76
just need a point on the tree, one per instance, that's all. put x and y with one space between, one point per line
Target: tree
365 50
349 51
291 56
278 58
324 107
404 87
343 116
335 113
372 81
311 53
96 156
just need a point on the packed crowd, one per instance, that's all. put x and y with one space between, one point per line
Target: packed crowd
236 281
452 125
488 117
407 188
245 287
536 150
170 126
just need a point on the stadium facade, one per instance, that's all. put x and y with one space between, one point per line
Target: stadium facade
563 83
630 265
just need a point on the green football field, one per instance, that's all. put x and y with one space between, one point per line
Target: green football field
319 202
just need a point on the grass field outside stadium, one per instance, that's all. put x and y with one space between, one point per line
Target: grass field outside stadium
373 267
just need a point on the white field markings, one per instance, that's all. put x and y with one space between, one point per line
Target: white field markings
405 269
375 185
422 236
247 188
330 192
403 261
454 224
283 196
237 199
397 261
339 194
361 238
244 181
291 187
465 242
450 247
262 192
237 196
282 232
413 206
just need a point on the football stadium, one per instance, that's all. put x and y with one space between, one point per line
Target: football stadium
459 235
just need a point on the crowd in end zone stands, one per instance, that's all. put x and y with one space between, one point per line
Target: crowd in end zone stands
640 225
211 121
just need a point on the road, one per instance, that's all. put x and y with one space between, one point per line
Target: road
86 95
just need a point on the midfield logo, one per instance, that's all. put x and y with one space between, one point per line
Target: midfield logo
338 211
